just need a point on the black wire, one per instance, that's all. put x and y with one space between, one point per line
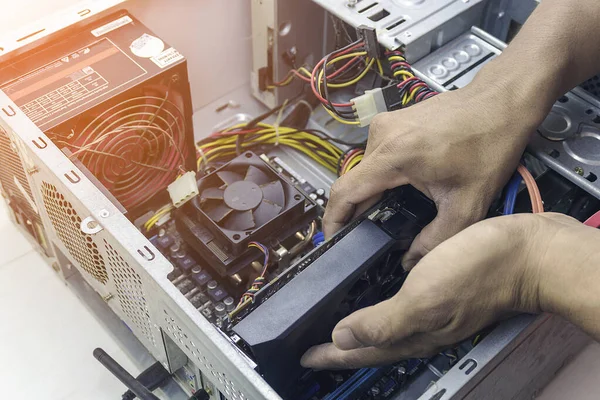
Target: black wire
325 89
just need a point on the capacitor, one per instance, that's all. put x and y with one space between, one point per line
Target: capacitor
313 196
229 303
320 192
162 232
220 310
196 270
212 285
175 247
320 202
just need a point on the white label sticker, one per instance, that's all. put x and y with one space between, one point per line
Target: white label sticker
111 26
167 57
147 46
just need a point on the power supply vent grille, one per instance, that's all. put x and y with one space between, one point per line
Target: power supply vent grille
130 292
189 347
592 86
11 169
67 224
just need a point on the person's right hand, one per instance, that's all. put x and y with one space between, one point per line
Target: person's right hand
518 263
458 148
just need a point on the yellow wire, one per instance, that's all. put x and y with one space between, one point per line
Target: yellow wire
404 73
349 83
379 67
354 162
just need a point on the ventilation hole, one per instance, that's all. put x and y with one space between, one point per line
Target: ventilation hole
236 237
379 15
563 99
248 155
68 229
297 197
596 119
395 24
591 177
367 8
589 111
554 154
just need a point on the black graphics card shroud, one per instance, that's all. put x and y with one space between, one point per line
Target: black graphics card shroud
245 200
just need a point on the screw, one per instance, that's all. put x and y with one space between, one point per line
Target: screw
55 267
579 171
352 3
175 78
107 297
104 213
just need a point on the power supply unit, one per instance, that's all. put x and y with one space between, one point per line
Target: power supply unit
116 98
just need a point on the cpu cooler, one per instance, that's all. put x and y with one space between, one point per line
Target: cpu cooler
243 201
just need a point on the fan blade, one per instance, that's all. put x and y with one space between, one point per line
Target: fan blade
218 212
273 192
240 221
256 175
229 177
212 194
265 212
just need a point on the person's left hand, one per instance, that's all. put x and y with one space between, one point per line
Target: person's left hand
496 267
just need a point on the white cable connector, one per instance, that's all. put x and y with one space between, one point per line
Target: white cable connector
183 189
369 105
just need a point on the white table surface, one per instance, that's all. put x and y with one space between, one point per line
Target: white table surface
47 337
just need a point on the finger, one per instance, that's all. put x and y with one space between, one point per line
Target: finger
450 220
381 325
361 183
328 356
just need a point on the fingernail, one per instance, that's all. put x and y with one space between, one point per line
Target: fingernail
344 339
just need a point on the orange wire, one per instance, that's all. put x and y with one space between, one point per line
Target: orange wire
537 205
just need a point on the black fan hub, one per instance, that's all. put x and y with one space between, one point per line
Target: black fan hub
243 195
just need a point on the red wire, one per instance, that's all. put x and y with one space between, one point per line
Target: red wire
594 221
314 76
537 205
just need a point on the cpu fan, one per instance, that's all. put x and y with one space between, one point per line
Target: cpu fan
243 201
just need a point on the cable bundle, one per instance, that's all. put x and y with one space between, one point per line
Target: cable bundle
135 147
260 280
342 68
413 90
228 143
350 159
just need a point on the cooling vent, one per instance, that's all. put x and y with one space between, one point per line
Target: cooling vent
130 292
11 172
189 347
592 86
67 225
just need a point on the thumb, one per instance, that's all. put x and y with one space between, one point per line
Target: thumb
449 221
381 325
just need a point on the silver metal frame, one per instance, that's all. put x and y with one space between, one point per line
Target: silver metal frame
417 26
170 313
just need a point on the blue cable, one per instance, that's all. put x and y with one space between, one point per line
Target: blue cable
318 239
512 189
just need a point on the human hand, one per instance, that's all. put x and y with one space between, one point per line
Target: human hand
492 269
458 148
